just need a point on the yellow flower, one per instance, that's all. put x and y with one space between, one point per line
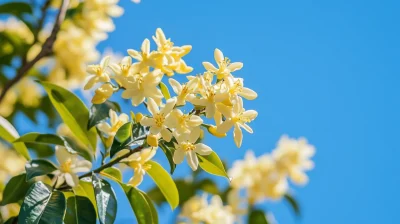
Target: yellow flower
184 123
145 57
183 92
69 166
225 67
187 146
123 70
137 162
236 117
99 73
293 157
7 105
235 88
115 123
104 92
160 122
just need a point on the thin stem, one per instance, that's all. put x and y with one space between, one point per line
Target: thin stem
47 49
41 20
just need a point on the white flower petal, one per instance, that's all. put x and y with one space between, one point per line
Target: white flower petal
192 160
179 155
218 55
176 86
237 135
147 121
166 134
225 126
248 94
209 67
203 149
235 66
71 179
168 106
152 106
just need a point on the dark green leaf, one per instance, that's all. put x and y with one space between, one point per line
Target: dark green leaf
164 182
212 164
41 205
15 8
125 137
294 204
15 190
168 151
99 112
85 189
105 199
12 220
258 217
79 211
73 112
35 137
38 167
41 150
114 172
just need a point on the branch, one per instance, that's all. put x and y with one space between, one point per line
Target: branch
41 20
47 49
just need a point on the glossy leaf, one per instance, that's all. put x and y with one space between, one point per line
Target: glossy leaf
85 189
80 210
114 172
9 134
41 150
35 137
15 189
293 203
105 199
164 182
164 90
126 137
212 164
15 8
100 112
38 167
41 205
73 112
257 216
169 154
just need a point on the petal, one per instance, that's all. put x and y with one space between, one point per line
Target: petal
147 121
104 127
209 67
135 54
160 36
298 176
176 86
194 121
235 66
82 166
166 134
136 180
210 110
62 154
250 114
147 154
192 160
155 130
225 110
60 180
203 149
104 62
247 128
152 106
124 118
168 106
116 68
225 126
113 117
194 135
248 94
146 46
71 179
127 61
237 136
90 83
218 55
179 155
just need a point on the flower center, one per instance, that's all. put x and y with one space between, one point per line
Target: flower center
224 63
116 126
167 46
159 119
187 146
66 166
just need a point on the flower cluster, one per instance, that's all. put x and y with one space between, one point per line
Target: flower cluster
198 210
266 177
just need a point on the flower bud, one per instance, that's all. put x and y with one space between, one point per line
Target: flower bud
152 140
138 117
213 130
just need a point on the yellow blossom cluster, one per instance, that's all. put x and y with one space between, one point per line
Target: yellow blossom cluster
198 210
266 177
216 94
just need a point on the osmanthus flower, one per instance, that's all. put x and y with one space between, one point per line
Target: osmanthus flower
98 73
69 167
115 123
225 67
236 117
101 94
184 123
293 156
235 88
160 120
187 146
183 91
244 173
144 57
137 162
210 96
191 209
123 69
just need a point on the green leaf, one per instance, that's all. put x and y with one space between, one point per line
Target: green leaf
168 151
165 182
293 203
99 112
35 137
153 209
15 190
186 191
126 137
79 211
15 8
9 134
142 207
208 186
41 150
164 90
41 205
85 189
12 220
38 167
73 112
212 164
257 216
106 200
114 172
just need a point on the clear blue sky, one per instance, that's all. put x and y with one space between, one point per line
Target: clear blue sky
326 70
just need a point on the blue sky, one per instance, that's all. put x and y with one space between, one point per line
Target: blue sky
326 70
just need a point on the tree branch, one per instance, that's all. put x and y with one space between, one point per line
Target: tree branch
47 49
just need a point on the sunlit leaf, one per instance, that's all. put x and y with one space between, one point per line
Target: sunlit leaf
169 154
106 200
164 90
15 189
38 167
9 134
164 182
85 189
100 112
114 172
126 137
186 191
79 211
212 164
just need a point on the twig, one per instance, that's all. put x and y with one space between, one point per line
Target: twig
41 20
47 49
